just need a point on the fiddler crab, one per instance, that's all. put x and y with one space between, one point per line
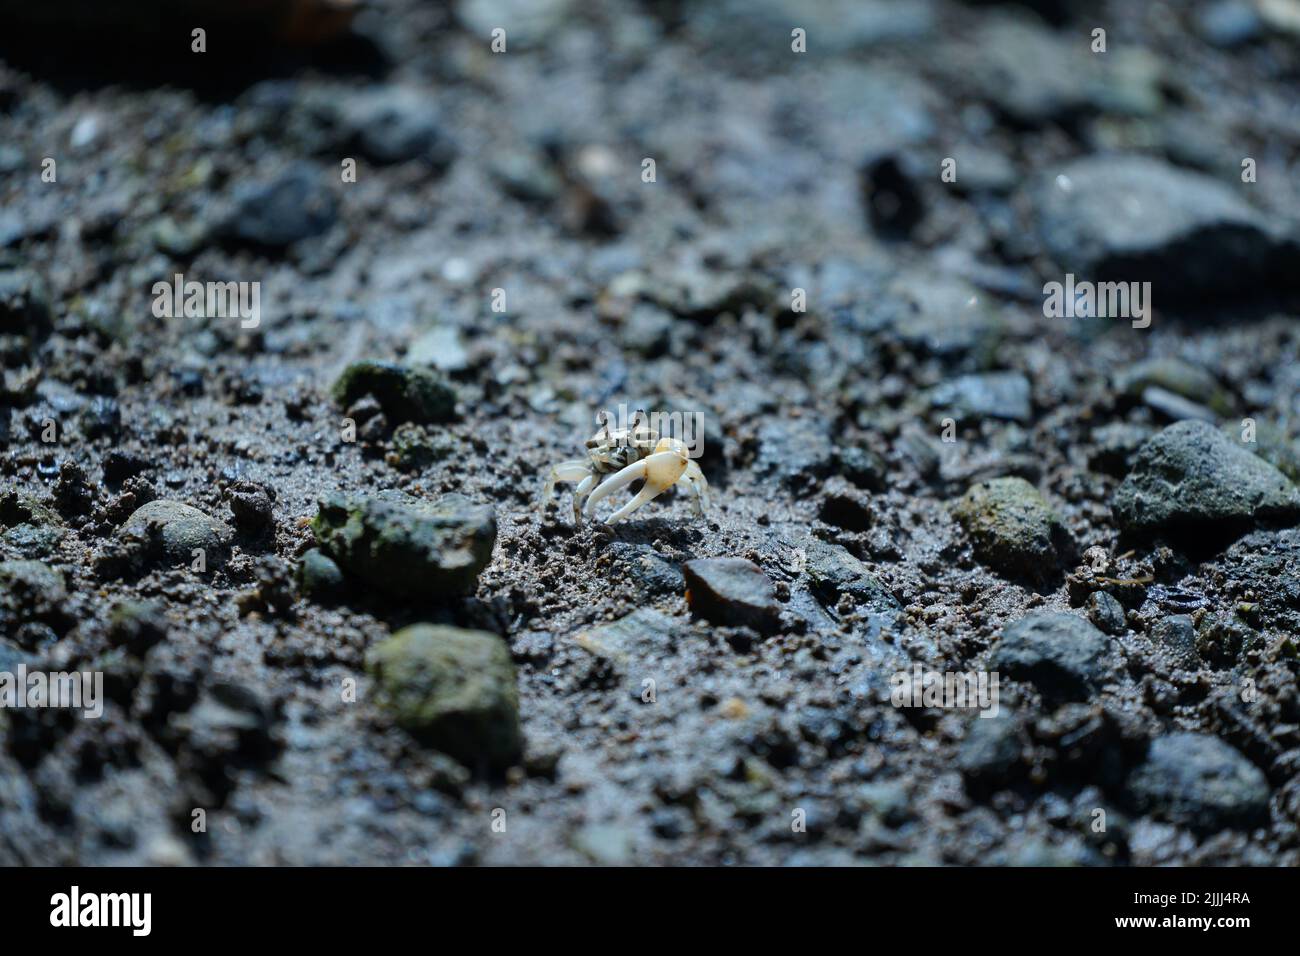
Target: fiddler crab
629 454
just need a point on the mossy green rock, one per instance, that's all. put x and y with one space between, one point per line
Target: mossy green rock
452 689
1014 530
405 547
407 393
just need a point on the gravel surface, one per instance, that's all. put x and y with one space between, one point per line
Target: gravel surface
301 539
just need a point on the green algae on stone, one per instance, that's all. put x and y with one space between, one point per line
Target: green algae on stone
453 689
407 393
1013 529
406 547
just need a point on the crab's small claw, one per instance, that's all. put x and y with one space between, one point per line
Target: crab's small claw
574 469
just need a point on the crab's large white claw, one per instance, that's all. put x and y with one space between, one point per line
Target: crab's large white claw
661 470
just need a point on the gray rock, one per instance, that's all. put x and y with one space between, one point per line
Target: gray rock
991 749
1175 636
1200 782
1107 613
1014 530
797 451
946 316
407 393
394 124
296 204
732 591
30 591
452 689
405 547
24 307
1062 655
832 571
650 570
636 639
181 530
1191 478
1130 218
999 395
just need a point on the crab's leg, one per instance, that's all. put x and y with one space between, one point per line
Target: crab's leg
575 469
695 479
580 494
659 471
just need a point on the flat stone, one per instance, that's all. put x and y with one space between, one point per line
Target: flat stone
732 591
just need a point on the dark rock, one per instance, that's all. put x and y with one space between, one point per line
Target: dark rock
30 592
1175 637
732 591
319 578
1062 655
863 467
453 689
653 573
1129 218
72 493
103 417
120 465
1200 782
396 124
846 507
405 393
406 547
137 626
1115 446
251 504
891 194
297 204
25 315
414 448
1191 479
1107 613
991 749
832 572
999 395
1014 530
